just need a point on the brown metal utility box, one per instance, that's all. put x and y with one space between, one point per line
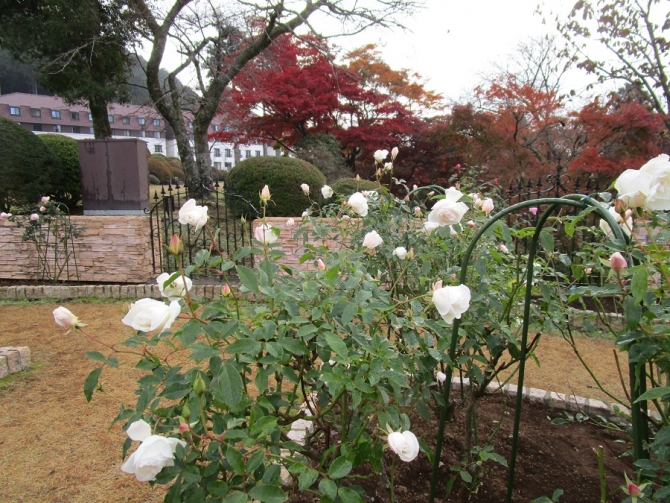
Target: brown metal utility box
114 176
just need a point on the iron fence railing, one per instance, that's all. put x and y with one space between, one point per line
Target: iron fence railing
229 231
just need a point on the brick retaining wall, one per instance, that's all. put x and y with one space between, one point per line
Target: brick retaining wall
110 249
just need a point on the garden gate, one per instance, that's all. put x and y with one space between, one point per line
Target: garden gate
230 216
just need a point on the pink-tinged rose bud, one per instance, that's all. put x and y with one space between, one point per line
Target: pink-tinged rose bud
533 210
305 188
225 291
457 185
43 209
410 254
628 214
372 240
176 247
634 490
34 217
487 205
414 187
589 270
64 318
265 194
618 262
45 199
431 193
345 217
452 231
620 207
458 166
320 265
437 285
441 377
418 212
4 215
394 153
183 427
503 249
495 182
453 277
358 177
378 172
326 243
471 224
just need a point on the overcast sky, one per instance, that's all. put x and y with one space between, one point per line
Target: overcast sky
452 43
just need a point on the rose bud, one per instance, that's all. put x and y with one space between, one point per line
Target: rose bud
618 262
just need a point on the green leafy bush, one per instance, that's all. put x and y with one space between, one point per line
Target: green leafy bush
283 175
160 169
27 167
67 189
176 168
347 186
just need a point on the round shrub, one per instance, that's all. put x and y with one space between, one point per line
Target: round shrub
67 189
160 157
219 175
153 180
347 186
176 168
28 169
283 175
160 169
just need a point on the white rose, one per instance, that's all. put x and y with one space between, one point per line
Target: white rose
626 226
175 290
634 187
448 211
372 240
429 227
265 234
451 301
380 155
326 192
441 377
404 444
358 203
153 454
659 169
400 252
305 188
64 318
147 315
290 223
193 215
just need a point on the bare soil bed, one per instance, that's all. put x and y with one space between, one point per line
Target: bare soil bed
56 447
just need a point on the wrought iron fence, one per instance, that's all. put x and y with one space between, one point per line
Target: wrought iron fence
229 231
554 185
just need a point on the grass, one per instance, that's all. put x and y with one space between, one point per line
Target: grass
12 379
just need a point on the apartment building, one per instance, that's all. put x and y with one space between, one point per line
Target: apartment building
50 114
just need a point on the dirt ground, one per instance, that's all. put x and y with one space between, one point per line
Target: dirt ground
55 447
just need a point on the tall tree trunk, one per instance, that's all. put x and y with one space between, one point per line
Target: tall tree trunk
100 117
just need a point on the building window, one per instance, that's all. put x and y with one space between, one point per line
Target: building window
14 111
35 112
158 148
141 121
157 134
247 154
74 116
229 153
125 120
215 127
228 165
157 122
90 117
257 153
76 129
55 114
126 132
217 165
37 127
143 133
110 118
57 128
90 131
217 152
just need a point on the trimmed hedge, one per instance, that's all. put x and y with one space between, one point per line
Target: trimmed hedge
347 186
27 167
283 175
176 168
67 189
159 169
